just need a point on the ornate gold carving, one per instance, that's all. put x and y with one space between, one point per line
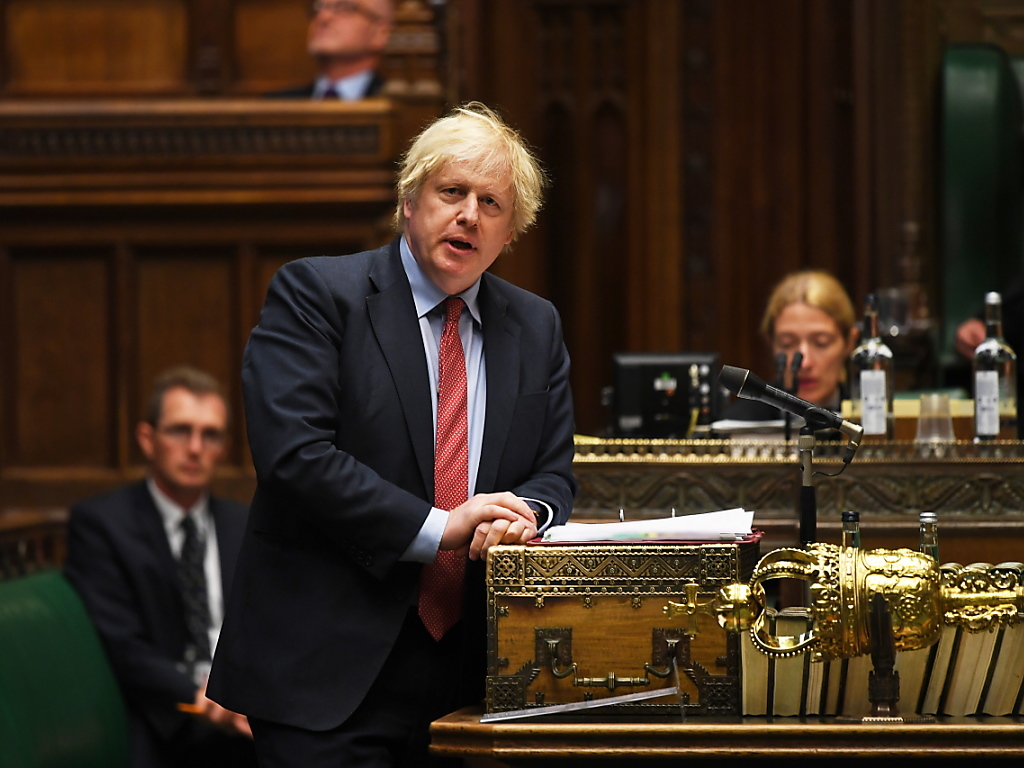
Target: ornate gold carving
557 571
698 475
841 584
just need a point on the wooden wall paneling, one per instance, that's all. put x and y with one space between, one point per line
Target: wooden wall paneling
210 48
602 252
71 47
579 97
59 410
759 206
827 171
270 45
889 132
862 181
654 245
124 315
696 146
777 159
186 305
7 350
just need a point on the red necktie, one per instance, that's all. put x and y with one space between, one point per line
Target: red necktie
441 581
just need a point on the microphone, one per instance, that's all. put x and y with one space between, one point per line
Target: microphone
794 368
743 383
780 369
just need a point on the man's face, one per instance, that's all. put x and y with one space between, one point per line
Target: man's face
185 446
458 224
349 29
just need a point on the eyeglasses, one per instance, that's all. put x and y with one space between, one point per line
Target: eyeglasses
182 434
344 7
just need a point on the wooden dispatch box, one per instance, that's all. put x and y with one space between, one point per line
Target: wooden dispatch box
577 622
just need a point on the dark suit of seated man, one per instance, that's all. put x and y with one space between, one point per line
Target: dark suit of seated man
130 554
346 39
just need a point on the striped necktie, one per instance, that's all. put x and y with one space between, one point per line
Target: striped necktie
192 573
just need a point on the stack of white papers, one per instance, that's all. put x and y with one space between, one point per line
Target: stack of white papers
725 525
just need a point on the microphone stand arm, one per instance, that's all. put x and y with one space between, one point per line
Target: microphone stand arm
808 503
814 419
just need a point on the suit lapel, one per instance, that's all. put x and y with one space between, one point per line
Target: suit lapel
151 534
501 347
392 315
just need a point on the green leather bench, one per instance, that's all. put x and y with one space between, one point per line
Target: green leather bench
59 702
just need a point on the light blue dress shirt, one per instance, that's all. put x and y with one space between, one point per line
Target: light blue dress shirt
349 88
429 299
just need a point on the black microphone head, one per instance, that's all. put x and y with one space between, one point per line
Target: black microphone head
741 382
732 378
798 360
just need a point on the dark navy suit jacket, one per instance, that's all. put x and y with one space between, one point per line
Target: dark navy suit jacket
340 425
120 562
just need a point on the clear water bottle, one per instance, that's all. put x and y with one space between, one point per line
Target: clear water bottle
995 379
871 378
929 533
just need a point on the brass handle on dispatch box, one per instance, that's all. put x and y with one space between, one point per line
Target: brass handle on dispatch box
554 648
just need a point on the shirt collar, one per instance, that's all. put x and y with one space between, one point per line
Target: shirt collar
172 513
426 295
349 88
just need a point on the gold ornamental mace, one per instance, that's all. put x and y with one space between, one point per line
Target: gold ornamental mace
843 581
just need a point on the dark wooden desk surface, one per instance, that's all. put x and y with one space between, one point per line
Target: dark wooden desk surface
617 742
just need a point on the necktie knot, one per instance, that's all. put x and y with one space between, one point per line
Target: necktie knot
453 309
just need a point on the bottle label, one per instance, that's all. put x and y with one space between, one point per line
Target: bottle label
873 402
986 403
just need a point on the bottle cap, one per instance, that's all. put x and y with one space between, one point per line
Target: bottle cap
929 517
851 517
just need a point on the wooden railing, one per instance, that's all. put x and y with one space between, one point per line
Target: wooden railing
31 541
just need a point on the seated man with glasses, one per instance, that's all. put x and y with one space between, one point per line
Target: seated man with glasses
153 563
346 39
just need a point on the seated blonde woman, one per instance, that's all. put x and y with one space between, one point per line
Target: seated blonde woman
808 312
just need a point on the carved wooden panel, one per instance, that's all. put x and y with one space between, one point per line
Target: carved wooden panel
270 45
58 409
86 48
185 306
63 47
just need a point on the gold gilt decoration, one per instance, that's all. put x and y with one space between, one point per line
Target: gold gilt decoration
648 477
572 570
842 581
582 622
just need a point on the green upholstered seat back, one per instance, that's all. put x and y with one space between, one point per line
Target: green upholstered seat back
982 187
59 702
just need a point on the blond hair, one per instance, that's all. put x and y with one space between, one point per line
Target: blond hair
814 288
475 136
